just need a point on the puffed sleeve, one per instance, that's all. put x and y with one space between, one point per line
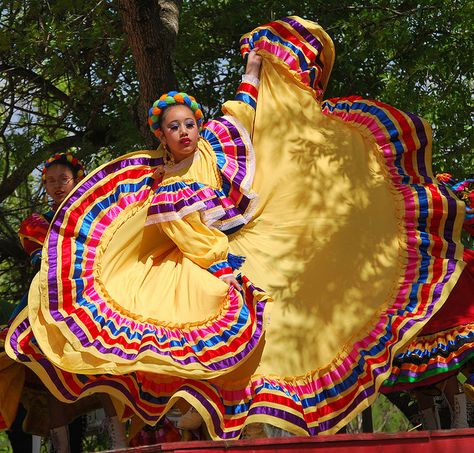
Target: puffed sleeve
32 234
243 106
207 247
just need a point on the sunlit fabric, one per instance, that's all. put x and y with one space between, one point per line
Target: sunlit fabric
349 234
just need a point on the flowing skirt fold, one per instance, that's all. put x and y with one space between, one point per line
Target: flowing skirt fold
353 238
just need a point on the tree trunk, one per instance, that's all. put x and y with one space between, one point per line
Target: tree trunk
152 28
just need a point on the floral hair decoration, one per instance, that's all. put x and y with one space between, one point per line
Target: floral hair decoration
445 178
65 159
167 100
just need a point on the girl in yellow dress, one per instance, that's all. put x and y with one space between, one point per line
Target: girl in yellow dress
333 204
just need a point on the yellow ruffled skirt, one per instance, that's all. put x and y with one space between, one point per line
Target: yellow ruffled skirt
352 238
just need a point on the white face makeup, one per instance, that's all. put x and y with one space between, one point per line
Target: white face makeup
179 131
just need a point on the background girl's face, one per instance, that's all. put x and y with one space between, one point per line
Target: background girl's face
59 181
179 131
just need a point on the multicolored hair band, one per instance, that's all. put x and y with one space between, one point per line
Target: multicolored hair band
65 159
446 178
167 100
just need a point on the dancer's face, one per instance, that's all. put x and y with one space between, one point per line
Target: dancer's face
59 181
179 131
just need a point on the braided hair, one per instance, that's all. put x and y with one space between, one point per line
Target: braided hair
155 113
66 159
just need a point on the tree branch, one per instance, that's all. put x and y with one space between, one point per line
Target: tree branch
36 79
151 28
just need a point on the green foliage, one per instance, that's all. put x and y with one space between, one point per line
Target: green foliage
67 81
4 443
66 70
414 55
386 418
15 268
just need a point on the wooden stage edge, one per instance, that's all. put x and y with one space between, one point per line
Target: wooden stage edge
445 441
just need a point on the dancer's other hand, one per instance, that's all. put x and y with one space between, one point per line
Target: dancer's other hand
231 280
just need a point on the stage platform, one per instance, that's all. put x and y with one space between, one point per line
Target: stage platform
448 441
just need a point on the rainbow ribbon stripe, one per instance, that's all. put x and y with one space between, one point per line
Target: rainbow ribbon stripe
248 93
431 219
323 400
288 41
227 209
76 300
429 357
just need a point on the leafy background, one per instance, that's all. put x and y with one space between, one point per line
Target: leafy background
72 78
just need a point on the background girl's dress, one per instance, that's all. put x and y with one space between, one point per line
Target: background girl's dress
17 383
351 236
32 233
444 345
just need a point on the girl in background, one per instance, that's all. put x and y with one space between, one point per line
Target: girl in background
29 403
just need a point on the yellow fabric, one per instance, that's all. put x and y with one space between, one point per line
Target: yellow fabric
11 387
320 218
172 256
321 190
156 273
241 111
202 245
